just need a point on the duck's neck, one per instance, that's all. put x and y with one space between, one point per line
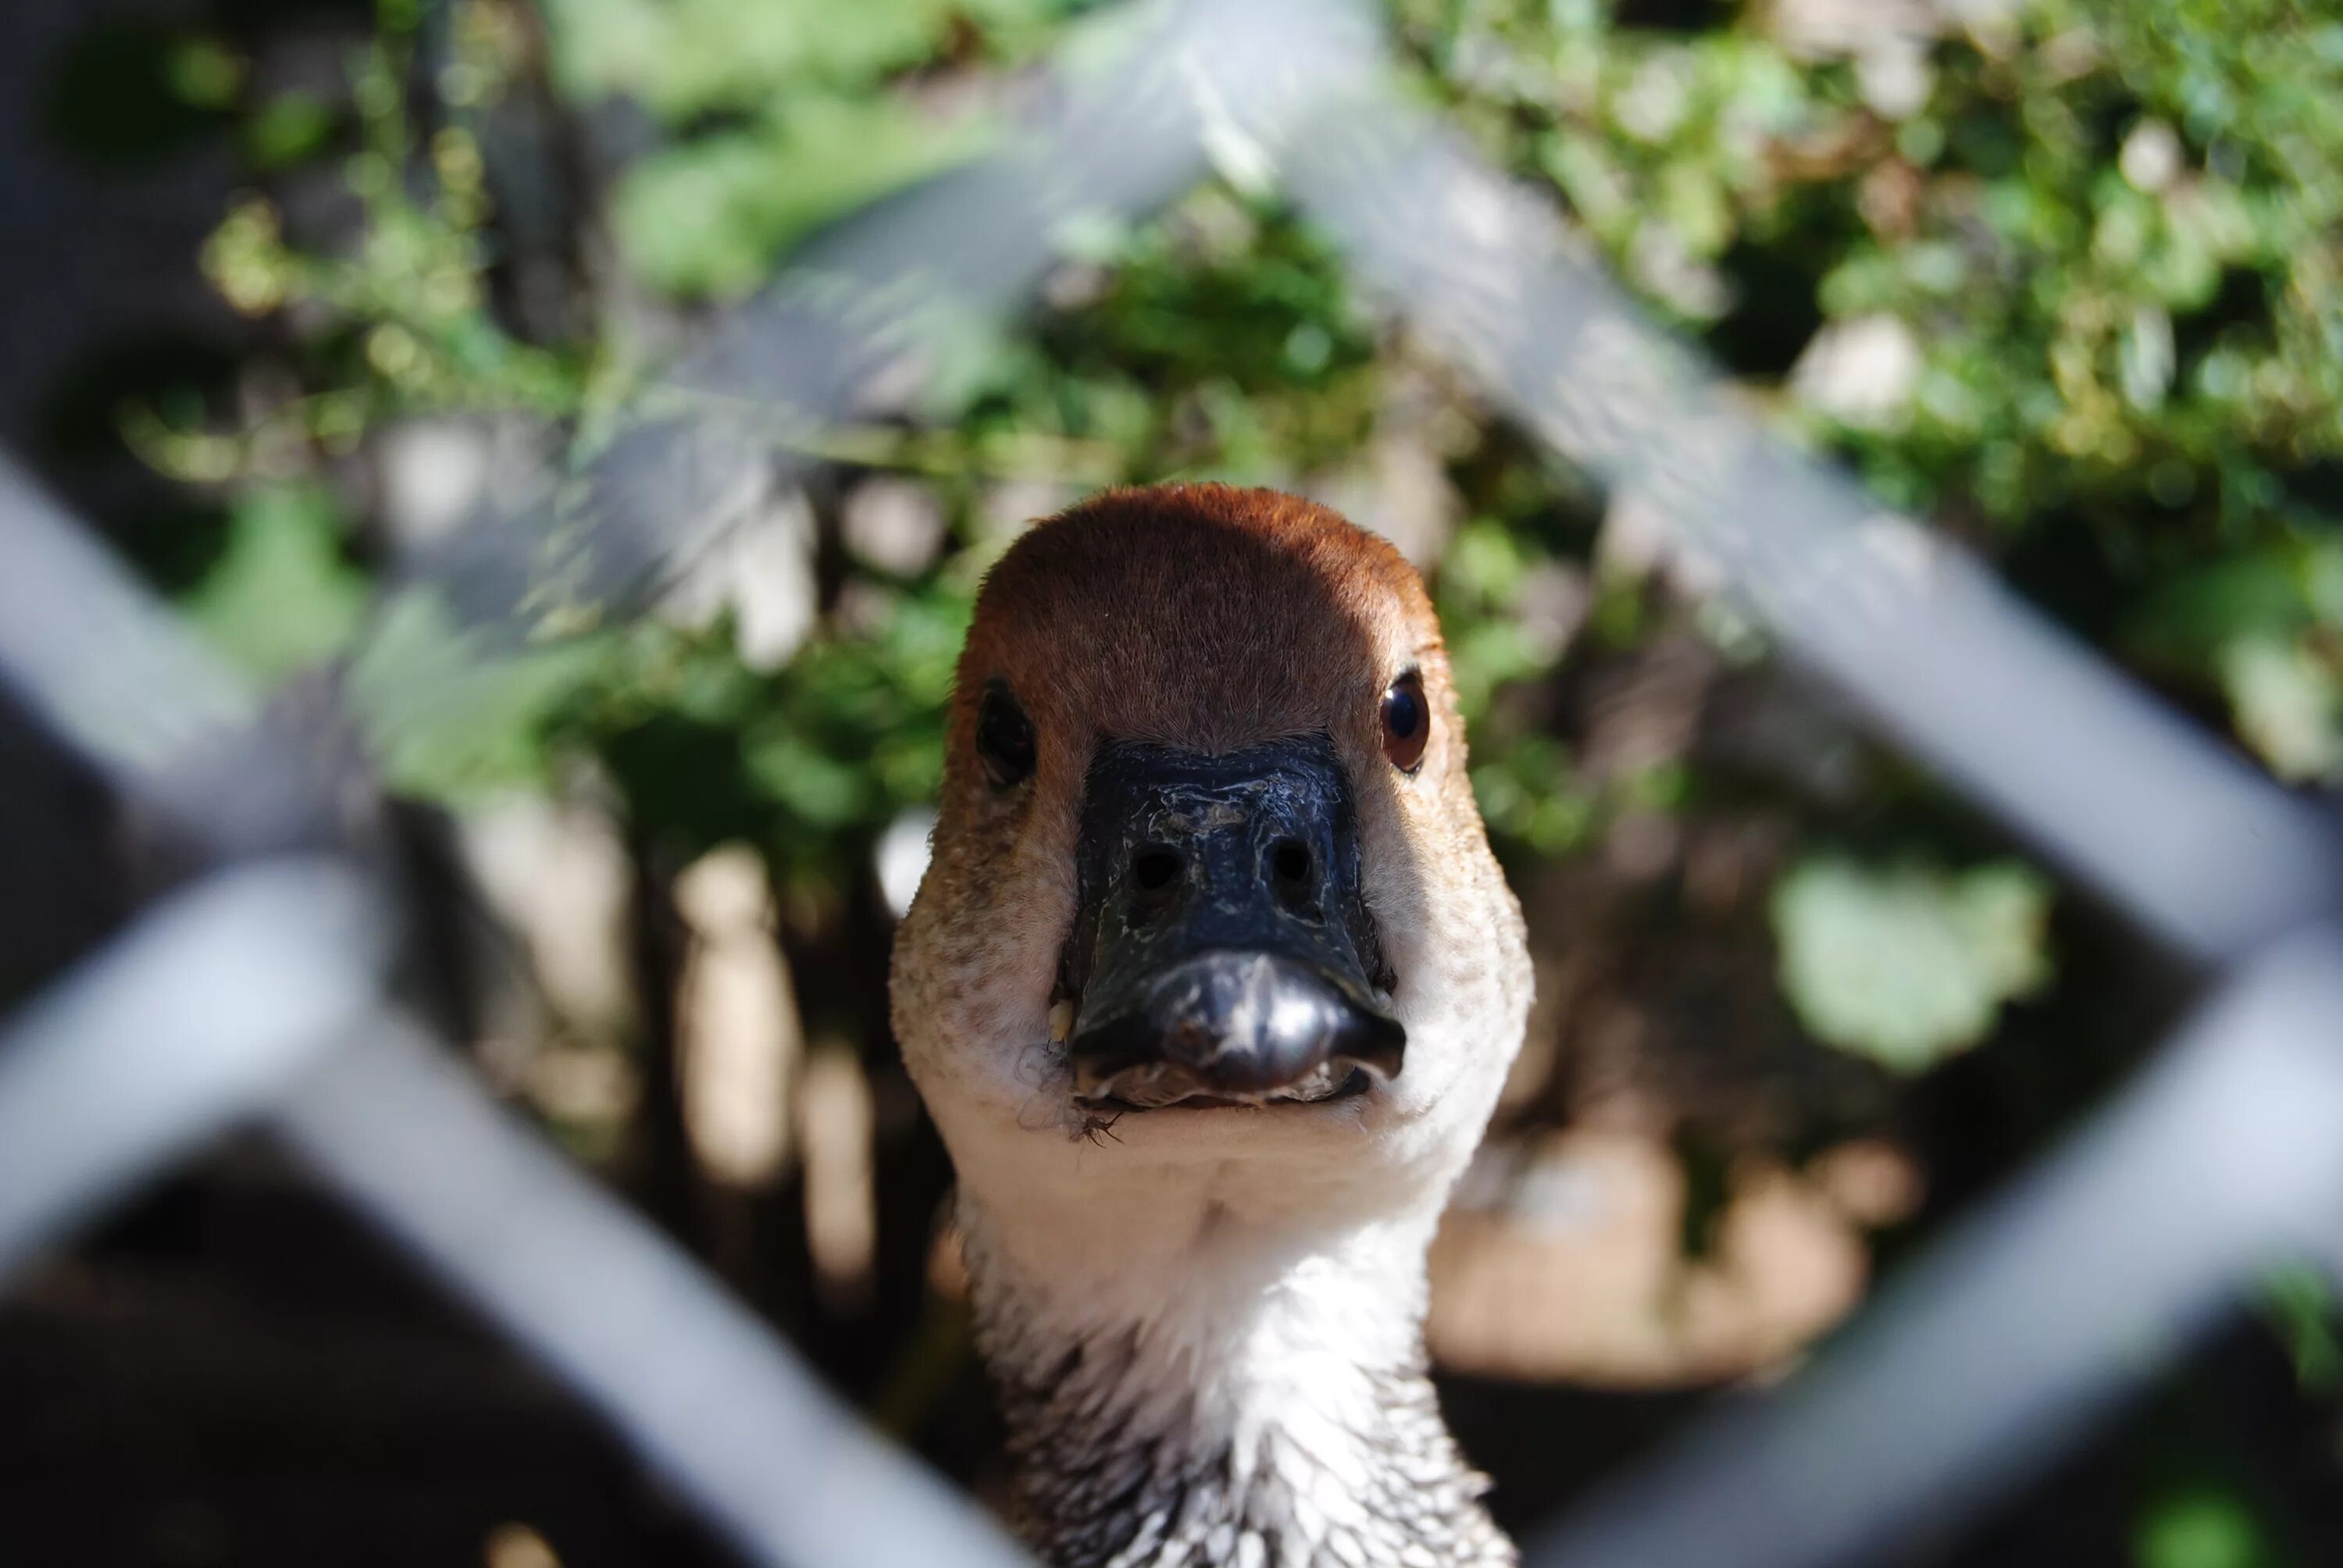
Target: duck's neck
1207 1392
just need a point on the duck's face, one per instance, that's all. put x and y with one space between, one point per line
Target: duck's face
1210 889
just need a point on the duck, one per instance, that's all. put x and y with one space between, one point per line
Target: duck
1210 987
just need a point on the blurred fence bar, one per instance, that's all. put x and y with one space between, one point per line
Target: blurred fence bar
259 993
2224 1160
2189 841
701 1389
873 309
2013 1335
175 1034
103 665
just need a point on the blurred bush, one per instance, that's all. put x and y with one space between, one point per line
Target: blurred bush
2057 275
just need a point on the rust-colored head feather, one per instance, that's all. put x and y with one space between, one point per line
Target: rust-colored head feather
1202 616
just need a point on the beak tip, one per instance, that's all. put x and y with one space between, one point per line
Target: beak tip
1241 1024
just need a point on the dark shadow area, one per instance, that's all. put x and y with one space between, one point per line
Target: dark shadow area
232 1372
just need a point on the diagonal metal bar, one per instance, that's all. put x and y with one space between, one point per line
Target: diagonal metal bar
204 1014
2020 1330
1141 100
2192 844
697 1384
2199 849
2005 1343
173 1035
873 309
173 729
91 652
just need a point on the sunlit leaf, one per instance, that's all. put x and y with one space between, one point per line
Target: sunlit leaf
2202 1528
451 713
280 596
1906 964
2289 706
709 215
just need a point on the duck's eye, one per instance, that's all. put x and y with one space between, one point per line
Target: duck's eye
1004 738
1407 723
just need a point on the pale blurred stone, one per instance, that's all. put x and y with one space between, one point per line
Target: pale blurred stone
1072 284
1564 1261
903 857
2151 156
841 1204
1855 27
1644 713
1012 505
1638 539
761 569
1860 371
1896 78
738 1036
1875 1183
586 1085
1401 491
896 525
1642 845
432 474
1660 261
518 1546
1551 607
558 874
1654 101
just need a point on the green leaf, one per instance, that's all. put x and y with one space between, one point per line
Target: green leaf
710 216
281 597
289 128
449 714
2288 705
687 57
1909 964
205 73
2299 1302
2202 1527
819 789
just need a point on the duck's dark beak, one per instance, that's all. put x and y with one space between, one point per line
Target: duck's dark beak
1220 949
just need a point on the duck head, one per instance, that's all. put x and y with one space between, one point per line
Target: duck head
1208 875
1213 978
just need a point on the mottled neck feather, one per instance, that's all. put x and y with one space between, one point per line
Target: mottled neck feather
1244 1409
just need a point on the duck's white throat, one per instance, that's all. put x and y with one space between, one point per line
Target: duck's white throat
1198 1382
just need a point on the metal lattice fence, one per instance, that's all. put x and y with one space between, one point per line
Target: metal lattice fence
261 993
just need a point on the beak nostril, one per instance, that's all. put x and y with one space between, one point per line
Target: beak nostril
1156 867
1293 878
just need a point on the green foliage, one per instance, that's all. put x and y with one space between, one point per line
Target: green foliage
2102 315
779 116
810 762
2085 249
2299 1302
684 59
451 714
1906 964
2203 1527
280 596
2269 621
287 129
2103 231
1219 340
707 215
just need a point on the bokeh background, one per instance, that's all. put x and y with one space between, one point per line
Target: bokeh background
292 288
